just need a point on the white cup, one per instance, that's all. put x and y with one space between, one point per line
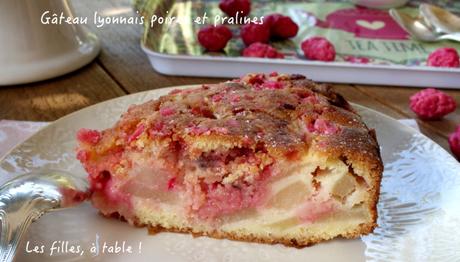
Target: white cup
31 51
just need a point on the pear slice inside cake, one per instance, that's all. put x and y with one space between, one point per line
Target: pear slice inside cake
264 158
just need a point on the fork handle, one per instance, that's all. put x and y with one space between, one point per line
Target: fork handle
11 235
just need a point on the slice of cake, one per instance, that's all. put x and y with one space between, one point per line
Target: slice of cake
265 158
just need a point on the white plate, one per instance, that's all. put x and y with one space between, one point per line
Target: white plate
418 209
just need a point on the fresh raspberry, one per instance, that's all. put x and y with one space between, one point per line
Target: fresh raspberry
253 33
444 57
318 48
261 50
432 104
214 38
271 19
232 7
281 27
454 142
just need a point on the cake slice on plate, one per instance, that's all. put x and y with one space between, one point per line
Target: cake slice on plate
265 158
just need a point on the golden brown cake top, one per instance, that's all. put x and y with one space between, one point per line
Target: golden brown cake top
278 113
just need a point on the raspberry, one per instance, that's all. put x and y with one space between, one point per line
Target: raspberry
234 7
431 104
318 48
214 38
281 27
454 142
252 33
261 50
271 19
444 57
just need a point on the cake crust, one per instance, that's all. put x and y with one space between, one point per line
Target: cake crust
290 242
363 229
270 109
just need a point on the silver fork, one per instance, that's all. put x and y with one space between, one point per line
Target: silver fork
26 198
